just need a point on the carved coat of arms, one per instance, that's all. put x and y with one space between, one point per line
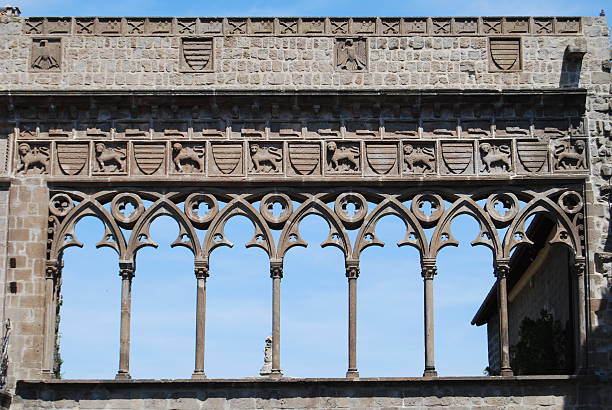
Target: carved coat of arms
351 54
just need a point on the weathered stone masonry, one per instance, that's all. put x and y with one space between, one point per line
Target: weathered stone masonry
114 111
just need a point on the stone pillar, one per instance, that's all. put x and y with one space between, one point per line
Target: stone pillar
126 271
428 271
201 273
276 273
352 273
502 269
52 275
580 316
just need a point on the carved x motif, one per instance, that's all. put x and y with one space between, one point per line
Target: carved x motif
288 27
543 27
390 27
135 27
33 27
339 27
441 27
84 27
492 26
237 27
186 26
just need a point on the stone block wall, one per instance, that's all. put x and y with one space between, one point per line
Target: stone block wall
122 57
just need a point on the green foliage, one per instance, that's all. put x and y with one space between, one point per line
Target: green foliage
544 347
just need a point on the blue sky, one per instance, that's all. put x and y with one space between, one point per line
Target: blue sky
314 289
308 7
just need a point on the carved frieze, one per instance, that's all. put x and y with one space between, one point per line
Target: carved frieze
343 157
457 158
33 158
419 158
188 158
504 54
46 54
110 158
149 159
227 159
351 54
495 157
304 158
72 158
133 129
270 26
197 54
266 158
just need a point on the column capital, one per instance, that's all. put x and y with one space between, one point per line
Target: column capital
352 270
580 266
276 270
201 270
126 270
428 268
52 269
501 268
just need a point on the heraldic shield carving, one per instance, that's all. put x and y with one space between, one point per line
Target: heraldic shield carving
505 54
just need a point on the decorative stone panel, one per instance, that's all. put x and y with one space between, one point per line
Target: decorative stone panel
197 55
505 54
46 54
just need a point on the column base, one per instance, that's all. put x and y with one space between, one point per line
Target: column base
506 372
352 374
198 375
276 374
430 373
123 376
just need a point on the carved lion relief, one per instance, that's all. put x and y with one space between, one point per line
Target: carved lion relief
419 158
33 159
343 157
266 158
569 155
495 157
110 159
188 159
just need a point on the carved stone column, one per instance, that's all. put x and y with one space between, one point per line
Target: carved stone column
201 273
580 316
352 273
502 268
52 275
126 271
428 271
276 273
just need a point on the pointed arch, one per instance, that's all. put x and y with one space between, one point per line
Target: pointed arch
390 206
88 207
290 235
487 235
162 207
566 231
215 236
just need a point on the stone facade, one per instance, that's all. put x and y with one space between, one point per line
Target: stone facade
101 113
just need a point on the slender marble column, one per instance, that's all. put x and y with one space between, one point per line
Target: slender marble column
201 273
52 274
126 272
352 273
580 316
276 273
428 271
502 268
